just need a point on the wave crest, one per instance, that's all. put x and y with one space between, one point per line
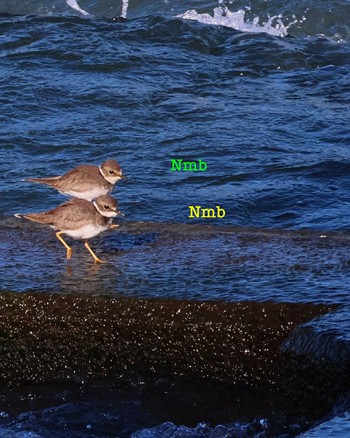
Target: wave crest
222 16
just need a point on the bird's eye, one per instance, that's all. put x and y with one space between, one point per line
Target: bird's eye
106 207
111 172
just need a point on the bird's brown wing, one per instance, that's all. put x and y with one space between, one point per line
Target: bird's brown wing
85 174
70 215
73 214
80 179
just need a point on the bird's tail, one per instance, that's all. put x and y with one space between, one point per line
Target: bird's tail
41 218
48 180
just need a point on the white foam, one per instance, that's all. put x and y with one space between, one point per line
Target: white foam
125 5
222 16
74 5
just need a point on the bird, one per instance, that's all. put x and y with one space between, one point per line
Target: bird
85 181
80 219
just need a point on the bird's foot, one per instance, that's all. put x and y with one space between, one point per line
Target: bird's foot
113 226
97 260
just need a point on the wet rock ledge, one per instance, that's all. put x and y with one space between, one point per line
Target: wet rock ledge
45 337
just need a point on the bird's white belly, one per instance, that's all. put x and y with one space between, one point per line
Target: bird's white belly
85 232
88 195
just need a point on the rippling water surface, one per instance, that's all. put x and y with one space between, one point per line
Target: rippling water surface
258 90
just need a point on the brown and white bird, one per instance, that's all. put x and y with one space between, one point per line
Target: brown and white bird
79 219
86 181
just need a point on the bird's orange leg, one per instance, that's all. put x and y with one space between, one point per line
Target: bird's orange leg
68 248
97 260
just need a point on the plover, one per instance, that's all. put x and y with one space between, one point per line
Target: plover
79 219
86 181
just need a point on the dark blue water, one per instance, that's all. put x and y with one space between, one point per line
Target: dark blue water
258 90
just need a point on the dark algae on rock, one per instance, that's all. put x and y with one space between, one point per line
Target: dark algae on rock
50 336
186 360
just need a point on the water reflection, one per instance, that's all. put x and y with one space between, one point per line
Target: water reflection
182 262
